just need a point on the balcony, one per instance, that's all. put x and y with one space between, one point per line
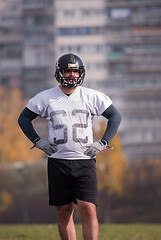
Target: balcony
34 28
36 4
10 64
10 38
124 3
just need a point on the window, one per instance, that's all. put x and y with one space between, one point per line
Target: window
32 39
83 48
119 13
37 2
81 12
81 31
62 31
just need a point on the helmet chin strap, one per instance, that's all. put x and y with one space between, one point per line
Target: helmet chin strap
69 85
66 82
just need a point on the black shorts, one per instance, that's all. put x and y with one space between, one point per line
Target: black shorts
69 180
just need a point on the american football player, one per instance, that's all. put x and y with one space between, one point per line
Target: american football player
69 109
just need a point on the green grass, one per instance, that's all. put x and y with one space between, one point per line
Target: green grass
107 232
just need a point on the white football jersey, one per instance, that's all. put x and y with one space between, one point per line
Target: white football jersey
70 118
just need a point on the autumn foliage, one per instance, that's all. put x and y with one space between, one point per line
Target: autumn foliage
111 164
14 146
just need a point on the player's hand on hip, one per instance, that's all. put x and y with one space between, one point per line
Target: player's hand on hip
94 148
46 146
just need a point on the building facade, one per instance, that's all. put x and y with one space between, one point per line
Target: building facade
134 80
10 43
27 44
80 29
38 45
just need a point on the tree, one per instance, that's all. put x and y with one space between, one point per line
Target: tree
14 146
142 194
111 164
5 200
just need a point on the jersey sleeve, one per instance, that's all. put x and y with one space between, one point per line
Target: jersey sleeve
100 102
37 104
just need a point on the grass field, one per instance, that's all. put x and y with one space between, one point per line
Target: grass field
107 232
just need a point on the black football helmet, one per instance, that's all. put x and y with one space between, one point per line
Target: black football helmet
66 62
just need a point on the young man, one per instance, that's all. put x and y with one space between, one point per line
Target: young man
69 109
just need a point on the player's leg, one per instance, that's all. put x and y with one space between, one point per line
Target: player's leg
85 191
65 222
60 195
88 215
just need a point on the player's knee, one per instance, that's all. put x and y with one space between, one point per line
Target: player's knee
87 209
64 212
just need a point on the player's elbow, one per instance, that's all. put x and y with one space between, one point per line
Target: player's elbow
116 117
23 119
119 118
20 120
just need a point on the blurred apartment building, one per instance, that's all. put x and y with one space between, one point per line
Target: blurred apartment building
26 44
134 60
38 45
80 29
10 43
